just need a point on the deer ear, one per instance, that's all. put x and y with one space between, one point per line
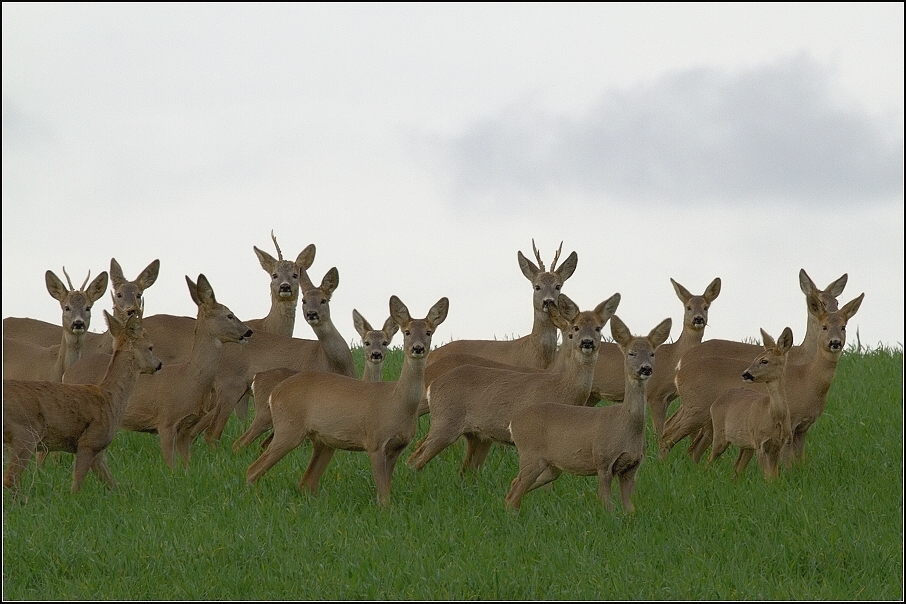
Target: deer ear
606 308
330 281
148 276
390 328
266 261
399 312
568 267
438 312
768 340
361 324
835 288
852 307
785 341
115 325
527 267
681 292
619 331
713 290
97 287
660 333
55 287
116 273
306 257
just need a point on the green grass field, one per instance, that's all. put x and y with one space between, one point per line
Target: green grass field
831 529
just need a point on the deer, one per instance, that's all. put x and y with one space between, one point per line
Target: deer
27 361
171 402
700 381
335 411
127 299
376 344
238 368
79 419
757 423
539 347
552 437
609 381
799 354
478 403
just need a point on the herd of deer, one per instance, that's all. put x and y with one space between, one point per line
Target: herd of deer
533 393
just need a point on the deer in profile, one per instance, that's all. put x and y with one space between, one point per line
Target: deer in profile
478 403
798 354
171 402
27 361
700 381
334 411
127 299
376 344
79 419
552 437
757 423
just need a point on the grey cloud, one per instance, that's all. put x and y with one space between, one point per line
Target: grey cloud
772 132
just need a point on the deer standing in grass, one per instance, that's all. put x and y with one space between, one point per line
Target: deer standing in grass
127 300
376 344
478 403
340 412
27 361
552 437
798 354
757 423
700 381
79 419
171 402
271 359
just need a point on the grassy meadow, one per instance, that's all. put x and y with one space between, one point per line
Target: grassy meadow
830 529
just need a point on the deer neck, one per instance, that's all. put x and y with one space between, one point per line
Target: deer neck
335 348
544 339
810 382
688 338
282 317
809 345
206 352
410 387
634 400
118 382
70 351
577 373
779 407
373 371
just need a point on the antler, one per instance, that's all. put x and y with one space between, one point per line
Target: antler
537 255
276 245
556 256
68 280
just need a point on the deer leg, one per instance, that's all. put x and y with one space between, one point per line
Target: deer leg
477 449
262 422
382 470
100 469
321 455
84 460
433 443
742 461
271 456
720 445
168 444
701 443
627 488
524 482
605 478
20 455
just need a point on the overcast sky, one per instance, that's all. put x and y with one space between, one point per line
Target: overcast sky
420 146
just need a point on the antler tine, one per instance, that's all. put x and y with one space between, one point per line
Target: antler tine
537 255
68 280
81 289
276 245
556 257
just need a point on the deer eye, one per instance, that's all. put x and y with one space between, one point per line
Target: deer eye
295 275
385 343
230 317
67 309
274 276
598 329
428 333
407 332
688 308
367 343
537 288
138 295
707 307
87 309
764 361
118 295
558 287
632 354
575 328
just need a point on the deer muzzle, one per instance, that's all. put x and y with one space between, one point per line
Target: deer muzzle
748 377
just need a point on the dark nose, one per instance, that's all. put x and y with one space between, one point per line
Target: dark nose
311 316
418 349
284 287
748 377
587 343
248 334
645 370
836 345
377 356
698 320
78 324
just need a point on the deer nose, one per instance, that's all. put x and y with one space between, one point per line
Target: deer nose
377 356
285 288
312 317
78 324
547 302
836 345
698 320
645 370
248 334
418 350
587 344
748 377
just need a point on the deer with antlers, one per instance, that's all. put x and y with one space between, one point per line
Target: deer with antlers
552 437
757 423
79 419
478 403
340 412
27 361
376 343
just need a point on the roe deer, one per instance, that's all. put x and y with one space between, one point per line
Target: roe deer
536 350
80 419
552 437
700 381
27 361
238 368
798 354
171 402
756 423
479 402
127 299
341 412
376 344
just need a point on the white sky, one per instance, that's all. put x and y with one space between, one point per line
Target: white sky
419 147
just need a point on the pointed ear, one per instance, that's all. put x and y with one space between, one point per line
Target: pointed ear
835 288
713 290
527 267
330 281
390 328
266 261
148 276
306 257
557 317
785 341
362 326
806 284
619 331
438 312
681 292
97 287
55 287
815 304
568 267
767 340
193 291
399 311
116 273
567 309
205 291
852 307
115 325
604 311
659 334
